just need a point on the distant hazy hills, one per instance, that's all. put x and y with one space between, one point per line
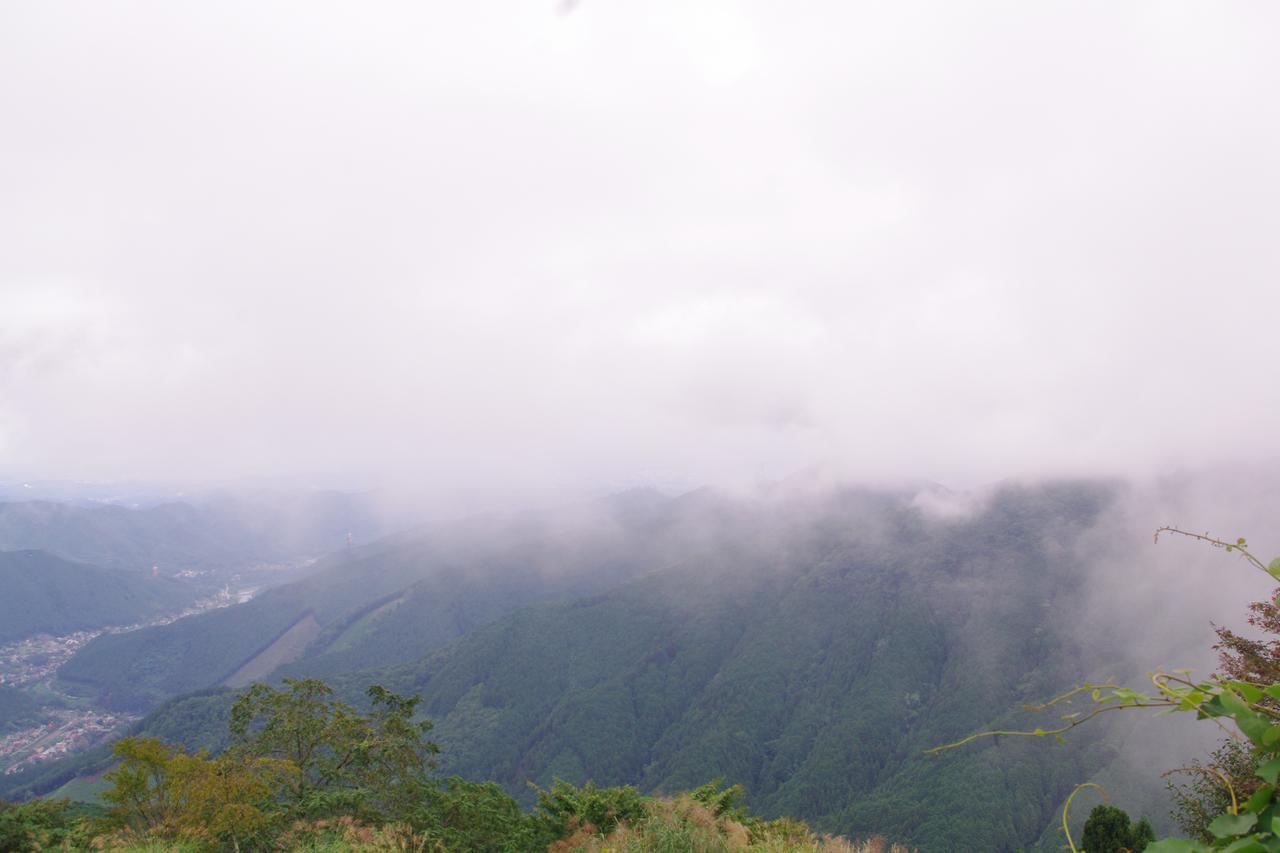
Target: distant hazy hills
225 533
41 593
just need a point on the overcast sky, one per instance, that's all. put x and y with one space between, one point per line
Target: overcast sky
614 242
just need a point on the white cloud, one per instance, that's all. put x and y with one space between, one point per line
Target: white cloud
488 242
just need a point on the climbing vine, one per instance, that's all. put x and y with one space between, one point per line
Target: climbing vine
1245 710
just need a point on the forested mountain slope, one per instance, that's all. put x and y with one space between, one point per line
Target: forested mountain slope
810 658
44 594
17 709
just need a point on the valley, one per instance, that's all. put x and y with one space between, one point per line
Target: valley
158 567
69 725
39 657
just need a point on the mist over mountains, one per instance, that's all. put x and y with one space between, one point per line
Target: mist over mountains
808 640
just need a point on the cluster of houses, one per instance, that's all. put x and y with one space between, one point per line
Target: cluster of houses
37 658
64 733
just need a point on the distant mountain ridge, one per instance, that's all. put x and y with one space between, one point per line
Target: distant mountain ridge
222 533
390 601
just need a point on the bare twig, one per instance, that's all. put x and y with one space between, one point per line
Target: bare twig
1211 771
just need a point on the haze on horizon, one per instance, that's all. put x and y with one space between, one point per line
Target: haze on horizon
518 244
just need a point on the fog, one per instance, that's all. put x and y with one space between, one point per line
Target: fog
521 246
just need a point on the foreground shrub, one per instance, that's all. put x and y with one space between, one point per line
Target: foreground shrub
37 825
477 816
686 825
565 809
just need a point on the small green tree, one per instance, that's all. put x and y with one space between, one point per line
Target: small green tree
161 791
1143 834
346 761
1109 830
140 794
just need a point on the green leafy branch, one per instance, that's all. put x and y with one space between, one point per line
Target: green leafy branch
1174 692
1240 545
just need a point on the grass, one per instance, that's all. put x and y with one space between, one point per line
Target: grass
83 789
